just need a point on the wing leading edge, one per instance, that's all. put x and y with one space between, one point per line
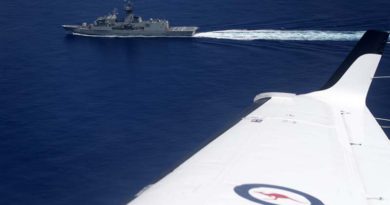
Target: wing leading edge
318 148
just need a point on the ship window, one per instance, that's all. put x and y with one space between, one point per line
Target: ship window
147 25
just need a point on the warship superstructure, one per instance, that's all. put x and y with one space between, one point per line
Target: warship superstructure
130 26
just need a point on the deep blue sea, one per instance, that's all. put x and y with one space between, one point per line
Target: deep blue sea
93 120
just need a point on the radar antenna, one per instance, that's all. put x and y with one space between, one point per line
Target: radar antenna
128 7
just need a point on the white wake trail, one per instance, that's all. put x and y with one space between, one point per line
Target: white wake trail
291 35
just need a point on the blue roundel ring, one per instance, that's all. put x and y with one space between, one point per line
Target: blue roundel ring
243 191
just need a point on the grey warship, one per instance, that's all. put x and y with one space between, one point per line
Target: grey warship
131 26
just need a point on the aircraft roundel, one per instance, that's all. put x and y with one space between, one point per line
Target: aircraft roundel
265 194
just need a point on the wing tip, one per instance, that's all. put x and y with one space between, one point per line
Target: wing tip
372 42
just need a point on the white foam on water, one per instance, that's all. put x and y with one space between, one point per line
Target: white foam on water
250 35
291 35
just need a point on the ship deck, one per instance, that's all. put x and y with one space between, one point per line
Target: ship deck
184 28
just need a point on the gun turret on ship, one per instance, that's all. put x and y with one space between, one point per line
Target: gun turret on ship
130 26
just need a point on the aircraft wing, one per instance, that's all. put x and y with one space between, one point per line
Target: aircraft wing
320 148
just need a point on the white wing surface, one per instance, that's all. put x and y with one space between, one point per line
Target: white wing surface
320 148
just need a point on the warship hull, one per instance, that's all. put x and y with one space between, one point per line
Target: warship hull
112 32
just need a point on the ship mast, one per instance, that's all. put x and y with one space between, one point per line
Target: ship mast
129 11
128 7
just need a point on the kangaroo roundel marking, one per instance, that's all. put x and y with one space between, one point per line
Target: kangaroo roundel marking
266 194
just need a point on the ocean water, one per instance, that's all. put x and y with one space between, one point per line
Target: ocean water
94 120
